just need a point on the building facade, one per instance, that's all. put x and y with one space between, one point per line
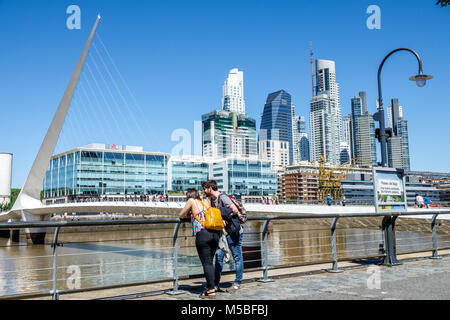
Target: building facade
233 92
276 123
325 115
240 176
227 134
100 169
362 139
345 152
187 172
325 135
398 145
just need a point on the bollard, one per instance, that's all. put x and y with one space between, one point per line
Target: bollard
388 226
334 269
434 237
175 290
54 292
265 254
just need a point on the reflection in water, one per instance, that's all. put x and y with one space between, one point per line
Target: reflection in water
118 257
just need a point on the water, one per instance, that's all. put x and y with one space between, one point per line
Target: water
105 258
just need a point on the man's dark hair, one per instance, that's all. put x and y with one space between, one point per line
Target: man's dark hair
210 184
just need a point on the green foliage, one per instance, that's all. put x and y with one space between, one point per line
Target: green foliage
8 206
443 3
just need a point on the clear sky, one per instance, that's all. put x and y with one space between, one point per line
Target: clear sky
175 56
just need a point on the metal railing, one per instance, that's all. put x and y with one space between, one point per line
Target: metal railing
387 250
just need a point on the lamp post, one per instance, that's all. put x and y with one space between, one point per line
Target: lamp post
420 80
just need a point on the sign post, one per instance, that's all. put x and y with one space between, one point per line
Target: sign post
389 190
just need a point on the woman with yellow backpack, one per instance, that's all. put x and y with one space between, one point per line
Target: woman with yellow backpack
207 225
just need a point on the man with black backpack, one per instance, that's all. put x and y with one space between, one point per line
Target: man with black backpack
233 231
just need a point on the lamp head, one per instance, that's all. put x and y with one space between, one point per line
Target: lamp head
421 79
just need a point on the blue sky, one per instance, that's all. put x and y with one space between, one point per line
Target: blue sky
175 56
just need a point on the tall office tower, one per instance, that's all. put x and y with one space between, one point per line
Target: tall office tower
233 92
398 149
363 130
227 134
303 140
365 139
394 146
325 115
325 134
389 123
301 125
326 83
402 131
348 132
345 152
295 136
276 128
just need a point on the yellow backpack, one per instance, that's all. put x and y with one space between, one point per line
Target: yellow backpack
213 218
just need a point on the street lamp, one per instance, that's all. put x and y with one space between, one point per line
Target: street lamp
420 80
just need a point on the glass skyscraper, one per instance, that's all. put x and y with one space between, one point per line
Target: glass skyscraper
276 120
398 145
228 134
362 130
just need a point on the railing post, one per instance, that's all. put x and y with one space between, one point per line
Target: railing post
265 255
334 247
388 225
175 290
54 292
434 237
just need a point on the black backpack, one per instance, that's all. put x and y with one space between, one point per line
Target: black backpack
242 213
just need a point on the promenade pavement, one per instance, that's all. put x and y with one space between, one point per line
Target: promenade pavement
416 280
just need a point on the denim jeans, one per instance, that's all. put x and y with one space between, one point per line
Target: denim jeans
236 251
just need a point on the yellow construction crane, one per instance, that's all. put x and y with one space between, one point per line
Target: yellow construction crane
330 179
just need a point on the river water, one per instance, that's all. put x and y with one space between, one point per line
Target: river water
103 258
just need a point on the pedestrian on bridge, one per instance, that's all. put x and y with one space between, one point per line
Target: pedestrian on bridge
206 241
233 229
329 200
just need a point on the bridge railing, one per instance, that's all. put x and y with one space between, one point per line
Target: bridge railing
324 243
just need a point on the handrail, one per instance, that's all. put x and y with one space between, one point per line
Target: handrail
388 229
160 220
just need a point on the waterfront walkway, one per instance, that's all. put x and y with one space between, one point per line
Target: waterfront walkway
418 278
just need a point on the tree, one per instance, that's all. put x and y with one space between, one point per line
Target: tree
443 3
9 205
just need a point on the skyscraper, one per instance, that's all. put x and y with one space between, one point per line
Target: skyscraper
402 131
229 132
325 115
303 140
326 83
363 144
233 92
365 138
276 128
295 136
398 145
325 134
348 132
345 152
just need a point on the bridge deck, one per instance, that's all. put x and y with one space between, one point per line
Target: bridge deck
417 278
